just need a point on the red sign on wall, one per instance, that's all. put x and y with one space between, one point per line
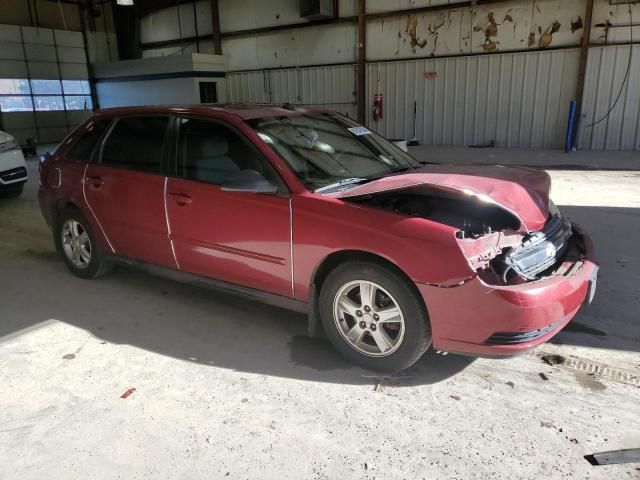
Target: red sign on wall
430 74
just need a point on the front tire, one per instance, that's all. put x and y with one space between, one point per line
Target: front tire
373 316
77 245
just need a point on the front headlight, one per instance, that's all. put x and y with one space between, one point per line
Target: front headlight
10 145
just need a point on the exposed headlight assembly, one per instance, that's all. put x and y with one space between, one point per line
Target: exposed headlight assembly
539 250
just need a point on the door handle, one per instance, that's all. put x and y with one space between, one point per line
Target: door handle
95 181
181 199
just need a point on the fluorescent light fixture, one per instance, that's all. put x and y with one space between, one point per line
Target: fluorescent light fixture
125 3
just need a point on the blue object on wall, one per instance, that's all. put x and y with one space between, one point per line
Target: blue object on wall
568 142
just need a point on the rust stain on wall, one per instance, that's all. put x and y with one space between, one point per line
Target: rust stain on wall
412 31
433 29
489 45
576 24
547 37
490 30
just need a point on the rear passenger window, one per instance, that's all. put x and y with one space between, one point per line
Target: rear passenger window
82 150
210 152
136 143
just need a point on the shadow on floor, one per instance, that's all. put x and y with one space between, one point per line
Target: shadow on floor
190 323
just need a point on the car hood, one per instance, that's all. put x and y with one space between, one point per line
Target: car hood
5 137
522 191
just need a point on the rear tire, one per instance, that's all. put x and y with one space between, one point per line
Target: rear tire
374 317
76 243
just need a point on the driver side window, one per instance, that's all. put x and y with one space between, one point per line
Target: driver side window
210 152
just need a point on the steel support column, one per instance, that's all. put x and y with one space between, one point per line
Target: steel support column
215 22
584 53
362 61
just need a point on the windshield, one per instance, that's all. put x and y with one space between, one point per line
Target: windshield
330 152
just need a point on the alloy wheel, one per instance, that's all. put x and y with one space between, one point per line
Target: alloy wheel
368 318
76 243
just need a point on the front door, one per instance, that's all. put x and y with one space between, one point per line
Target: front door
125 189
241 238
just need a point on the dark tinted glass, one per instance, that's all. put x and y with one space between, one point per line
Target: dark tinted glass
210 152
136 143
83 148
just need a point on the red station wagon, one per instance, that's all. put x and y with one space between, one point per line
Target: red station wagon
310 211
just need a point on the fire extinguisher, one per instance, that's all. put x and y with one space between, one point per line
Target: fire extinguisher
378 102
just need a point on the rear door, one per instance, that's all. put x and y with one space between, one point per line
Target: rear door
238 237
125 189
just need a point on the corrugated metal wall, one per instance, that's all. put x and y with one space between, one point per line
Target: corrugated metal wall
516 100
331 87
606 69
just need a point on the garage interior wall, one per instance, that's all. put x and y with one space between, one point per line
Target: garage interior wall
450 72
606 70
42 54
501 72
53 48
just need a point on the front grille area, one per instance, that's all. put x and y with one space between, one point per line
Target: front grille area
510 338
540 250
14 174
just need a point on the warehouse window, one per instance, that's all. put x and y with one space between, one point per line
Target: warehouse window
208 92
23 95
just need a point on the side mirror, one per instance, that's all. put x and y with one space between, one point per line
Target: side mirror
248 181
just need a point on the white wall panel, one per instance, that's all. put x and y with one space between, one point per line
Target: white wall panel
44 70
330 87
11 51
40 52
77 71
68 39
13 68
319 45
155 92
103 47
606 69
39 36
173 51
250 14
10 33
516 100
605 15
347 8
378 6
506 26
175 23
71 54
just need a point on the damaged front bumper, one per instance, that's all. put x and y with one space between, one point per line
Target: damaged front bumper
505 320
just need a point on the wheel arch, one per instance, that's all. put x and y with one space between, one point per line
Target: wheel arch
94 225
61 205
330 262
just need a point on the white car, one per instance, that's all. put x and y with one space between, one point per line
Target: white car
13 169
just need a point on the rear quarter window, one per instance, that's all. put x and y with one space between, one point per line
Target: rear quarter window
83 149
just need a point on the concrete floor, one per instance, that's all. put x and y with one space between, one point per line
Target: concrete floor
228 388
